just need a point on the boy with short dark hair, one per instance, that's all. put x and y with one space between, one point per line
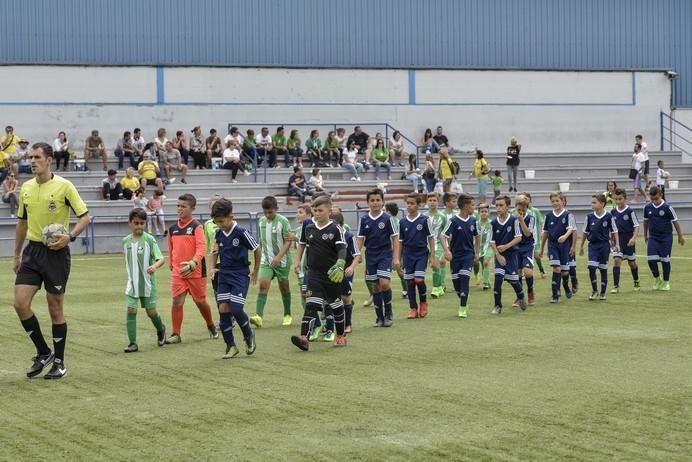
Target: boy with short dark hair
352 261
659 219
601 230
461 244
628 229
377 232
506 235
142 258
558 227
417 239
233 276
525 248
438 221
486 253
450 201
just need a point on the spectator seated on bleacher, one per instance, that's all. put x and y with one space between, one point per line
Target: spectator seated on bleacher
429 145
396 149
111 189
265 148
125 148
171 160
149 171
8 143
331 150
138 143
413 173
159 144
213 143
250 149
313 148
198 149
380 158
297 186
353 164
180 143
441 139
129 184
19 161
61 151
233 134
294 148
316 182
280 146
232 160
360 138
10 186
94 147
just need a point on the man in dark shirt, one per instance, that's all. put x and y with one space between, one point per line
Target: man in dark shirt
360 138
441 138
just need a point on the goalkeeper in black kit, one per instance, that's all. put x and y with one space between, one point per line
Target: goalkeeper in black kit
325 244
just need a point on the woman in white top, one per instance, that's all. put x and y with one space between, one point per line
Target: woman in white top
638 164
352 164
160 141
396 148
231 160
413 172
60 151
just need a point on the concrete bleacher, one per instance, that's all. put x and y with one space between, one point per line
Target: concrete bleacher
587 174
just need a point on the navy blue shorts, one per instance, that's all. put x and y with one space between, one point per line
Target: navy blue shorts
558 254
415 265
347 286
232 289
659 249
510 270
525 257
461 267
599 252
627 252
378 266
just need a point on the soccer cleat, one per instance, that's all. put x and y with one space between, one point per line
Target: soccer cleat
131 348
301 341
161 337
368 302
58 371
250 345
568 293
388 321
463 312
486 286
40 361
496 310
575 287
316 331
412 314
231 352
478 279
532 298
213 333
348 330
636 286
379 322
256 321
658 282
434 292
665 286
522 304
603 297
615 290
515 303
542 275
554 300
593 296
328 336
175 338
423 311
288 320
340 341
404 294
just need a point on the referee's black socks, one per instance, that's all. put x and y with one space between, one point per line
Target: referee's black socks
32 328
59 339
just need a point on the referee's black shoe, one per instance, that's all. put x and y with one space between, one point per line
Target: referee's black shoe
58 370
40 361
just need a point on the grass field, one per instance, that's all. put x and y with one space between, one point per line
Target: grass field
576 381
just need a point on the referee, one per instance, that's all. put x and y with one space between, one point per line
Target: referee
43 200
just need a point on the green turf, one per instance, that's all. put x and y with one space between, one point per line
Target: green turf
576 381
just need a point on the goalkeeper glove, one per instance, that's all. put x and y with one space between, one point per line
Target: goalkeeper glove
188 267
336 272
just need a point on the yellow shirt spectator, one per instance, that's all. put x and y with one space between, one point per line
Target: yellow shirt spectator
480 169
148 169
131 183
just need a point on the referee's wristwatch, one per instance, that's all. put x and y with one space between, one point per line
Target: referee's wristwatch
72 237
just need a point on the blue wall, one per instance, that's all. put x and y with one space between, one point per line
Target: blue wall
529 34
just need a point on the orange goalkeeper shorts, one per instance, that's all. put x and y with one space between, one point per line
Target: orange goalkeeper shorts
196 287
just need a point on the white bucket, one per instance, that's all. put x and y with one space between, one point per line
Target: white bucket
673 184
529 174
564 187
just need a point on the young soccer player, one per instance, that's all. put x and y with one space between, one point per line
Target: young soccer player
486 253
525 248
416 239
377 233
303 213
539 226
461 244
628 229
231 245
352 261
558 227
600 229
572 255
325 244
142 258
506 234
186 252
393 209
438 221
659 219
275 239
210 229
450 201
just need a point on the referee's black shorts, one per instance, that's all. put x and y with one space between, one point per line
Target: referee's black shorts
41 265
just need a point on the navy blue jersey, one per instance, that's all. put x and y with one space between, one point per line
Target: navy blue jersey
232 248
625 220
504 232
598 229
557 224
377 232
660 219
460 234
527 243
351 248
414 234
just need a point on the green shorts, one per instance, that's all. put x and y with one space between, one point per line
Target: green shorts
488 253
143 302
281 274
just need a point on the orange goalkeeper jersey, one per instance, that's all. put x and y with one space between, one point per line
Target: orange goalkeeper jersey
186 242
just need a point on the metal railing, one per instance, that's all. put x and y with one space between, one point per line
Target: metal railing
676 134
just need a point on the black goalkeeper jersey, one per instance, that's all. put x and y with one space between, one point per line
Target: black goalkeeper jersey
323 245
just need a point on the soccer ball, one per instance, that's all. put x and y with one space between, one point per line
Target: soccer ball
48 235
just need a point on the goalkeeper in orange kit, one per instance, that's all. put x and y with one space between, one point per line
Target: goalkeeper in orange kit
186 252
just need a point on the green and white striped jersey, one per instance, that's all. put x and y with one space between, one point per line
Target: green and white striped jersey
273 234
140 254
438 222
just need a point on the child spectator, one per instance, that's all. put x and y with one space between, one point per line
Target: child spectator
233 276
9 193
661 178
497 181
316 182
417 247
506 234
558 227
461 244
609 194
380 158
600 229
637 166
139 200
129 183
142 258
659 221
111 189
429 174
513 151
628 229
155 207
186 254
378 235
351 163
413 173
297 186
480 172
